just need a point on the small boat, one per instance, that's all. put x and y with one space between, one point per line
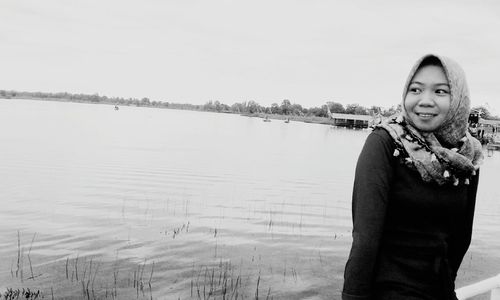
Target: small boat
116 107
266 119
287 120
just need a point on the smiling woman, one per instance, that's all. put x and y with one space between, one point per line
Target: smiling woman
414 192
428 99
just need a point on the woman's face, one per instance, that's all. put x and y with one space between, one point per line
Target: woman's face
428 99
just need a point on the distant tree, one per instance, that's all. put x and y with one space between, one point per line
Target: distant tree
350 108
93 98
219 106
391 111
209 106
318 111
253 107
275 108
286 107
225 107
336 107
356 109
238 108
374 110
484 112
361 110
323 112
297 109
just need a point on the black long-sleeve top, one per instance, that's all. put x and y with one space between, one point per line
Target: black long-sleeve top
409 236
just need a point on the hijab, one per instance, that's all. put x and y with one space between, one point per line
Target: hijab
449 154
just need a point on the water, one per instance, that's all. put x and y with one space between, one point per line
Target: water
146 196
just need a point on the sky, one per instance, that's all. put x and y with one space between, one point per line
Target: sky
194 51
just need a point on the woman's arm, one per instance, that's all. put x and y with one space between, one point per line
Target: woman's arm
461 239
374 172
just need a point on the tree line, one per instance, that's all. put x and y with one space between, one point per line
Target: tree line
286 107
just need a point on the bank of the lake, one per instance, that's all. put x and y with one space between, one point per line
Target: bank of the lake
295 118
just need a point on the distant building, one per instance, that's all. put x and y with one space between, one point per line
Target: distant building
351 121
484 130
489 126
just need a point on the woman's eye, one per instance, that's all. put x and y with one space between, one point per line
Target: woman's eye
442 92
415 90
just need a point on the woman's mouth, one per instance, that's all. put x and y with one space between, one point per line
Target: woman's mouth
425 115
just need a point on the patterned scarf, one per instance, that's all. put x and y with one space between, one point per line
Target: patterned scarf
449 154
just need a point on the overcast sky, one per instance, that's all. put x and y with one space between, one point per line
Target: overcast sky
187 51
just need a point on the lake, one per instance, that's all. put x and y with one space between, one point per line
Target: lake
170 204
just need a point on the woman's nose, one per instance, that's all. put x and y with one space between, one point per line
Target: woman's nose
426 99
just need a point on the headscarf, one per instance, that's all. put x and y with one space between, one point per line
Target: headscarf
449 154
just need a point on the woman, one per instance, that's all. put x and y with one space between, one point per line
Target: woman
414 192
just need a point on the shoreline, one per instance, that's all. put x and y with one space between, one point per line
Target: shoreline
305 119
295 118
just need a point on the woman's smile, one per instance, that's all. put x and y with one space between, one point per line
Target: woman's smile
426 116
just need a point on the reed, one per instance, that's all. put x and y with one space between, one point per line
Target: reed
20 259
177 230
19 270
89 278
76 268
219 282
257 288
29 257
270 223
67 261
24 293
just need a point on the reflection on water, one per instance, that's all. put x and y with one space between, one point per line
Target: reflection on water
177 194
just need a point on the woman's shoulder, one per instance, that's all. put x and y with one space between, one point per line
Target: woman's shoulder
379 145
381 133
379 136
